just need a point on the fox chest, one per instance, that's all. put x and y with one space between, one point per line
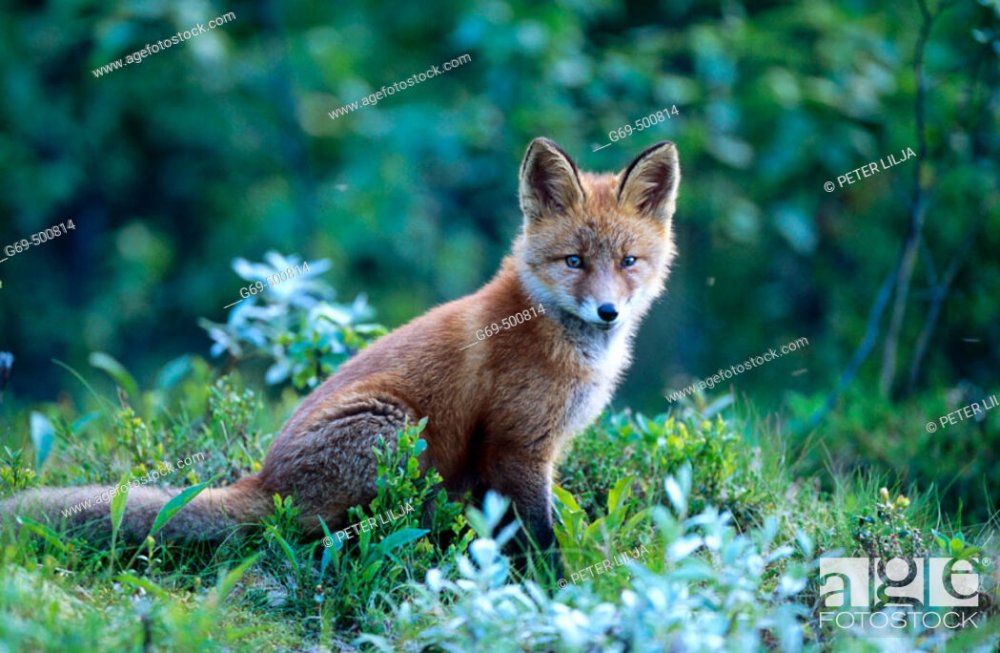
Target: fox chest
590 393
584 402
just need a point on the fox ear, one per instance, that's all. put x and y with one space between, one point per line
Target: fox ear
649 184
549 180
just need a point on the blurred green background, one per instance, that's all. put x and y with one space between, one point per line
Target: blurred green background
222 147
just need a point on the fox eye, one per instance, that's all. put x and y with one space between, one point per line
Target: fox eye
574 261
628 261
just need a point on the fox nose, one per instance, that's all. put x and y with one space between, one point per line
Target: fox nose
607 312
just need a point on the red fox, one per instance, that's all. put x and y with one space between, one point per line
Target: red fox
593 253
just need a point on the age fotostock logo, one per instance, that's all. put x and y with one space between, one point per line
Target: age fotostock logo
876 595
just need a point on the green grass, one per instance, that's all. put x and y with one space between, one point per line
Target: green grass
277 590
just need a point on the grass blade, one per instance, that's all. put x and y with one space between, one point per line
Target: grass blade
175 504
619 493
117 372
330 553
42 531
101 401
229 581
399 538
289 553
117 514
145 584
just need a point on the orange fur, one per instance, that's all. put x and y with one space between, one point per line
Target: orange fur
499 411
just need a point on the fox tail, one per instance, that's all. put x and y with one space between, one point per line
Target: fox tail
85 511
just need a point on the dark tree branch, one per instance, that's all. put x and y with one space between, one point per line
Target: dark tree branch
939 294
928 261
939 291
918 208
902 272
867 343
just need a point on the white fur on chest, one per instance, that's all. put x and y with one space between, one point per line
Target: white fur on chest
587 398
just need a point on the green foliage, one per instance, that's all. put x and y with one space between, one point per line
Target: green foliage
14 476
947 457
117 372
174 505
735 568
400 479
584 543
711 595
414 200
42 436
356 570
118 502
232 414
703 567
886 531
626 445
43 613
955 546
293 324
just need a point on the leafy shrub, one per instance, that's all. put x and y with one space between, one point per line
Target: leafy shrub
631 445
293 324
584 543
355 575
377 559
888 533
229 441
711 596
14 474
240 446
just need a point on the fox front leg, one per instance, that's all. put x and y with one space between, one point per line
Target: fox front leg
529 486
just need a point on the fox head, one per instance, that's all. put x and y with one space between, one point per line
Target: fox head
597 246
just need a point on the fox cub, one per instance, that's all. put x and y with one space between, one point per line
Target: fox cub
593 253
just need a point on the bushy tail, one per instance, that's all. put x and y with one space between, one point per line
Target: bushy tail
86 511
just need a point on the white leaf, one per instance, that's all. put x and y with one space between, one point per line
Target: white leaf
676 495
